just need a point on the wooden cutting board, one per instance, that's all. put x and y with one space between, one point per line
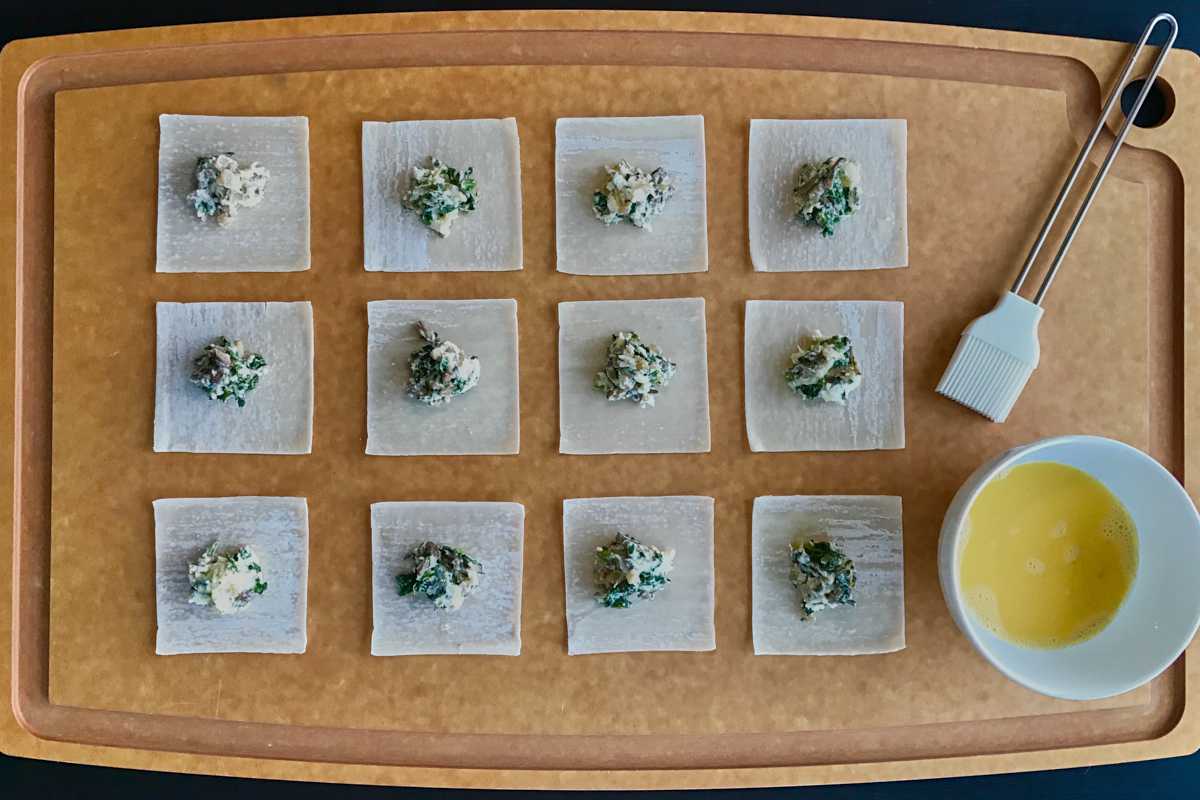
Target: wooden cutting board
994 121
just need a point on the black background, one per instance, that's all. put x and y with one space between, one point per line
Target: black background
1105 19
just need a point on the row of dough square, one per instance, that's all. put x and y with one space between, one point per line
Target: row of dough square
274 237
278 416
867 528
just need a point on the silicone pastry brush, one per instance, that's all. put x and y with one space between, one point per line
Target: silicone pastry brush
999 351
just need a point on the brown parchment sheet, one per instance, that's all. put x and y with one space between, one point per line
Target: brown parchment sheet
1053 740
963 240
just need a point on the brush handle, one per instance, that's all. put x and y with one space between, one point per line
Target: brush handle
1081 159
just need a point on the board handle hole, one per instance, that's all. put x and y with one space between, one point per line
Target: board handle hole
1159 105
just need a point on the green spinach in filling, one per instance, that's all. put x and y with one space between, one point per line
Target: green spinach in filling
444 574
627 570
439 194
823 575
826 192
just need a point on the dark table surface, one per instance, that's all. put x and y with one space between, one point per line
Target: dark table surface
1103 19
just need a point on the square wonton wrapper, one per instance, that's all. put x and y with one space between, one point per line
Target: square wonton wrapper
865 528
489 238
277 529
680 616
590 424
779 420
270 237
484 421
873 237
489 620
679 240
277 417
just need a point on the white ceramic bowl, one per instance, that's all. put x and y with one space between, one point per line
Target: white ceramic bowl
1161 612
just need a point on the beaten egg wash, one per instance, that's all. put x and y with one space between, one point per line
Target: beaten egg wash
1049 555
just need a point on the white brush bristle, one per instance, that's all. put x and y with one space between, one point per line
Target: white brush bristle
984 378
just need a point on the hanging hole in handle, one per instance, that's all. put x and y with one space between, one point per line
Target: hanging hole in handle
1159 105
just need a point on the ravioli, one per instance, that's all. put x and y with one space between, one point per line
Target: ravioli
680 615
867 529
678 422
489 622
483 421
678 242
276 529
779 420
875 236
273 236
277 417
487 239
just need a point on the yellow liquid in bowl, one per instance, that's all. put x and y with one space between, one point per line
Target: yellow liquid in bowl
1048 557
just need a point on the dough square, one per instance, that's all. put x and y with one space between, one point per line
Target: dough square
484 421
589 424
868 530
873 237
271 237
394 240
584 146
277 417
679 617
489 620
778 420
277 529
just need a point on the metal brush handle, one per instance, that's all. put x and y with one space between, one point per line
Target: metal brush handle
1108 159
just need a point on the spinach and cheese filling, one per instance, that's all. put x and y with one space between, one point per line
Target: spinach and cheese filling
627 570
440 370
633 370
440 194
223 186
826 192
225 371
226 579
632 194
824 368
823 575
444 574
